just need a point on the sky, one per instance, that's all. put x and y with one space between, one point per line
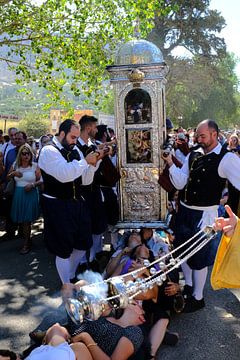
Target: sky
230 10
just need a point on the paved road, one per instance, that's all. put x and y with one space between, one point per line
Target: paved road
29 288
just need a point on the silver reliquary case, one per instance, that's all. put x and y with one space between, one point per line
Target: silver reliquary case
138 79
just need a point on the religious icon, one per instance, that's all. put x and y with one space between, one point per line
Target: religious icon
138 107
139 146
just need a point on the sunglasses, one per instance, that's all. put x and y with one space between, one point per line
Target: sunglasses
25 154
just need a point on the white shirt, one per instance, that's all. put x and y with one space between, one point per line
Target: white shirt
47 352
53 163
8 146
229 168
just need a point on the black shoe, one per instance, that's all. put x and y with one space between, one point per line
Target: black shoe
94 266
187 291
170 338
193 305
82 268
7 237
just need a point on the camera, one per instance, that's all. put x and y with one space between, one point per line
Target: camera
168 146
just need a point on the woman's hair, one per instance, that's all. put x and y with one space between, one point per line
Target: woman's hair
19 158
133 254
7 353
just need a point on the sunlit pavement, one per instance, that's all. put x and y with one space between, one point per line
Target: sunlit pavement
29 288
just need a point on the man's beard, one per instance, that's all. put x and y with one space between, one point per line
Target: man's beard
66 145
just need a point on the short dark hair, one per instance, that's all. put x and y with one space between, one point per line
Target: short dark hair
23 134
8 353
66 125
86 120
12 128
102 129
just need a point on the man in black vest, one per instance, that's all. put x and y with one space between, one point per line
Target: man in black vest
93 194
67 225
201 181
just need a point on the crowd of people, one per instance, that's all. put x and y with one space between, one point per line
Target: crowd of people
71 179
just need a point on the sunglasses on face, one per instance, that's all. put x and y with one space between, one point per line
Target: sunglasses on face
25 154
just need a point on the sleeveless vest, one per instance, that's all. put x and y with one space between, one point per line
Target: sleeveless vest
205 186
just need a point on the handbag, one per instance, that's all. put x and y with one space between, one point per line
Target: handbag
10 187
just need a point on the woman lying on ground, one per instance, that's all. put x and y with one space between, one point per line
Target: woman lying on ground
56 346
155 302
120 256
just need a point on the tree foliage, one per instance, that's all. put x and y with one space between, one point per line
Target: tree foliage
203 84
197 90
63 42
34 124
191 25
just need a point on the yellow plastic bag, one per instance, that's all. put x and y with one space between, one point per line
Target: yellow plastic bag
226 268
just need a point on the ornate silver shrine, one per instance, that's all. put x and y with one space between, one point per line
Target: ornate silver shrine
138 78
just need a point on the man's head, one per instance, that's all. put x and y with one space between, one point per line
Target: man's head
102 133
89 125
12 133
69 132
20 139
207 135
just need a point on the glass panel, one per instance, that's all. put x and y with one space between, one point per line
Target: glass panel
139 146
138 107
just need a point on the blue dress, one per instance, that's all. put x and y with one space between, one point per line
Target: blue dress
25 205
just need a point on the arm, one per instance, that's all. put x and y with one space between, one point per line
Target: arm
229 168
178 176
1 164
38 181
54 164
114 262
13 173
123 350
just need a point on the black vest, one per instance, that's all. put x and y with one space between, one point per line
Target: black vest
205 186
64 191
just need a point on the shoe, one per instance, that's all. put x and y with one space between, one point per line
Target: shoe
193 305
25 249
82 268
187 291
7 237
170 338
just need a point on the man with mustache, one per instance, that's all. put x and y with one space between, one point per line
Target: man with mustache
201 181
67 225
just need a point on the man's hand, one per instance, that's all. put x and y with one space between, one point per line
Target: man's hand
167 159
92 158
226 225
171 289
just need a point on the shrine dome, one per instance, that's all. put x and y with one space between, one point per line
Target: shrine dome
138 52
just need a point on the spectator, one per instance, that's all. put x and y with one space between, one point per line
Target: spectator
10 144
25 204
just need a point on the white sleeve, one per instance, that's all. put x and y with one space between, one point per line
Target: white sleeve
53 163
179 176
229 168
